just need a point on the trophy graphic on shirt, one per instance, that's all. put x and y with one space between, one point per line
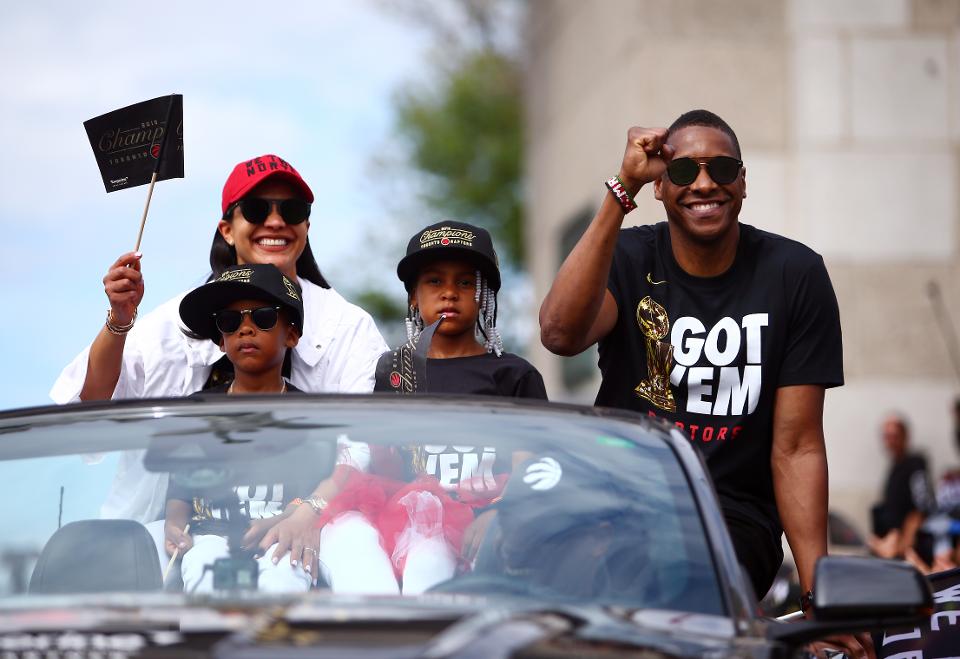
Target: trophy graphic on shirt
655 325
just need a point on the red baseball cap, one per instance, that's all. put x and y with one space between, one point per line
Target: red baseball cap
250 173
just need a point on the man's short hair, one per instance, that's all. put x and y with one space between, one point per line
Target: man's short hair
708 119
901 422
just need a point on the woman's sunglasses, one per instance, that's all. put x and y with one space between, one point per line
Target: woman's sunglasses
229 320
256 210
724 170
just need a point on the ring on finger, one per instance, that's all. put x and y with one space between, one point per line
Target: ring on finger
310 549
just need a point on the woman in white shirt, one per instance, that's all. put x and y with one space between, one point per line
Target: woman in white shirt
265 219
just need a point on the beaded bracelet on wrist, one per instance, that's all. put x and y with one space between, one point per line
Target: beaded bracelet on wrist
619 190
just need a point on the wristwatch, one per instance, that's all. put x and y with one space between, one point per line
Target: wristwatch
317 503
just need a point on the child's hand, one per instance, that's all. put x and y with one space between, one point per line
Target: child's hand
474 535
257 529
174 538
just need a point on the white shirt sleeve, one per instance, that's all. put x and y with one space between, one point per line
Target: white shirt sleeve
357 354
158 360
340 347
67 387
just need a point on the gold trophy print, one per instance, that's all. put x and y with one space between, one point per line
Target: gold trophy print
655 325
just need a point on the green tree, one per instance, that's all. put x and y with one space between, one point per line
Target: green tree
466 137
459 140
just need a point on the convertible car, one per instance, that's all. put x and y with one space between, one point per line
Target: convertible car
560 531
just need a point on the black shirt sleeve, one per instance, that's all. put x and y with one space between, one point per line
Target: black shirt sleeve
530 385
814 347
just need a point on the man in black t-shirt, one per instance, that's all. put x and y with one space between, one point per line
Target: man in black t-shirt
727 331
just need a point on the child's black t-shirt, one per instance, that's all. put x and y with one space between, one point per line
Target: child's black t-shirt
254 500
716 349
459 466
486 375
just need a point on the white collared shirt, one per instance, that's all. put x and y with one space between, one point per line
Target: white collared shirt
337 353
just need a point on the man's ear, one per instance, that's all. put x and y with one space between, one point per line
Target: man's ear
744 174
657 188
412 299
220 343
226 230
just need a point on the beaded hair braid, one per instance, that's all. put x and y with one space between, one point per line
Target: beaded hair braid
487 330
414 324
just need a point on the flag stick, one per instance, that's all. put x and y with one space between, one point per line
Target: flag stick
176 552
156 171
143 220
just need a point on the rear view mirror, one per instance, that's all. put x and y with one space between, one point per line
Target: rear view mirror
244 448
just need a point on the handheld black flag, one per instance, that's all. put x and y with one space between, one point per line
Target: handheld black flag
133 146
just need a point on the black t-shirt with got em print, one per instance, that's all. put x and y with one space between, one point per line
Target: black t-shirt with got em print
709 353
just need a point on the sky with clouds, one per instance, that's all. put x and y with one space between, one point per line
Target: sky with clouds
310 81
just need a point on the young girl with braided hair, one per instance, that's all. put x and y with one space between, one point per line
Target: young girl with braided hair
421 500
451 270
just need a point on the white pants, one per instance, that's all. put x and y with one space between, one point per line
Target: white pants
353 561
279 578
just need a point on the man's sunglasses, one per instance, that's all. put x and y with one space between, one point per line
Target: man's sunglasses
229 320
724 170
257 209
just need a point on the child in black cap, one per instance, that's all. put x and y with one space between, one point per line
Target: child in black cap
255 314
451 271
418 503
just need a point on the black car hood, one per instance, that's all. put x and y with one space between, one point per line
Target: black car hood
321 625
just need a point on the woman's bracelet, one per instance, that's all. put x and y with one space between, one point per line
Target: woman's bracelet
119 330
316 503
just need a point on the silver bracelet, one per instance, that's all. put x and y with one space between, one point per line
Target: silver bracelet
119 330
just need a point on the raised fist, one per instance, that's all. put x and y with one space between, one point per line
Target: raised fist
645 158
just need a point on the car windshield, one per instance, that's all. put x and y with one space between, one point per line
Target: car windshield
403 499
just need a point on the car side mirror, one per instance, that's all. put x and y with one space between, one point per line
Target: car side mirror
854 594
854 587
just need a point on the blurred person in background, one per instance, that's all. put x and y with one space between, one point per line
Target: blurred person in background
936 548
907 496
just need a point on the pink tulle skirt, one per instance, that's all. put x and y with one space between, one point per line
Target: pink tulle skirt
405 513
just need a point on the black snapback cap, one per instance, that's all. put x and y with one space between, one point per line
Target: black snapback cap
258 281
450 240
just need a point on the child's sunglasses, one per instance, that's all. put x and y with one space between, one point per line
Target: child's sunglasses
228 321
256 210
722 169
